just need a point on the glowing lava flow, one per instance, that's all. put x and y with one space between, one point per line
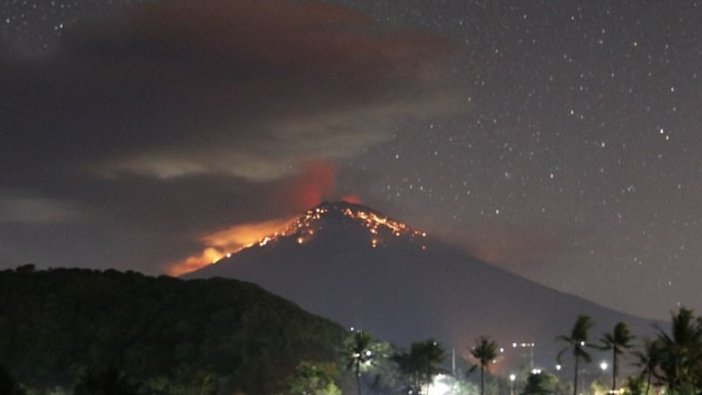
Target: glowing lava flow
223 244
304 227
373 222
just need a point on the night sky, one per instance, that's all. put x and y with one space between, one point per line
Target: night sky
558 140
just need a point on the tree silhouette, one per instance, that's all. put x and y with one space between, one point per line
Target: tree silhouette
681 352
485 352
648 360
358 352
577 343
422 363
314 378
538 384
633 386
619 341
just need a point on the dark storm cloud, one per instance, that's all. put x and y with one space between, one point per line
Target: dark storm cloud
185 117
250 89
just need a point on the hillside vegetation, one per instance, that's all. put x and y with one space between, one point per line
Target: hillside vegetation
58 325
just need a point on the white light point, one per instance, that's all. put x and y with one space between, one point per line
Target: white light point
441 385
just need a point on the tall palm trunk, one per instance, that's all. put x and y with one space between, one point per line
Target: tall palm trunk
575 378
482 380
358 378
614 369
648 382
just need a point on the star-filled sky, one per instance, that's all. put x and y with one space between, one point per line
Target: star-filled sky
556 139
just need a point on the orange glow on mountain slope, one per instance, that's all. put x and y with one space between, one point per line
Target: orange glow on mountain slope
240 236
314 183
194 262
374 223
226 242
353 199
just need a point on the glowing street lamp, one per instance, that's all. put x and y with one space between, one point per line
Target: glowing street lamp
530 346
512 377
603 366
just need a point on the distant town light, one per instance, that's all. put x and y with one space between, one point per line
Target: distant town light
603 365
441 385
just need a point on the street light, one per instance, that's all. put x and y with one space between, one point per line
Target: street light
530 346
512 377
603 365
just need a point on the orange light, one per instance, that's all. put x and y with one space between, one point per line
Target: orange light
208 256
229 241
353 199
239 236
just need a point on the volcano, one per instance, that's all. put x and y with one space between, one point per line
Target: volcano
352 264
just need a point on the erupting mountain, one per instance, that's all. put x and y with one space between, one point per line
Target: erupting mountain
354 265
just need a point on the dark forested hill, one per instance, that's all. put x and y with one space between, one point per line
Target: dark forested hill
56 324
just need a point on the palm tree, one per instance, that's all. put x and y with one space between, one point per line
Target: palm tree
422 363
539 384
648 360
358 352
577 342
485 352
681 351
619 341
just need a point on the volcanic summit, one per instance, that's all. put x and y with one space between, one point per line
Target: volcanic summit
361 268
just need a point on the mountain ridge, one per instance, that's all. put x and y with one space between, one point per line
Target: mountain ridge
406 285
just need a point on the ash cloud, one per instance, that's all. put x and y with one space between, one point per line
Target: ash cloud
242 88
173 119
